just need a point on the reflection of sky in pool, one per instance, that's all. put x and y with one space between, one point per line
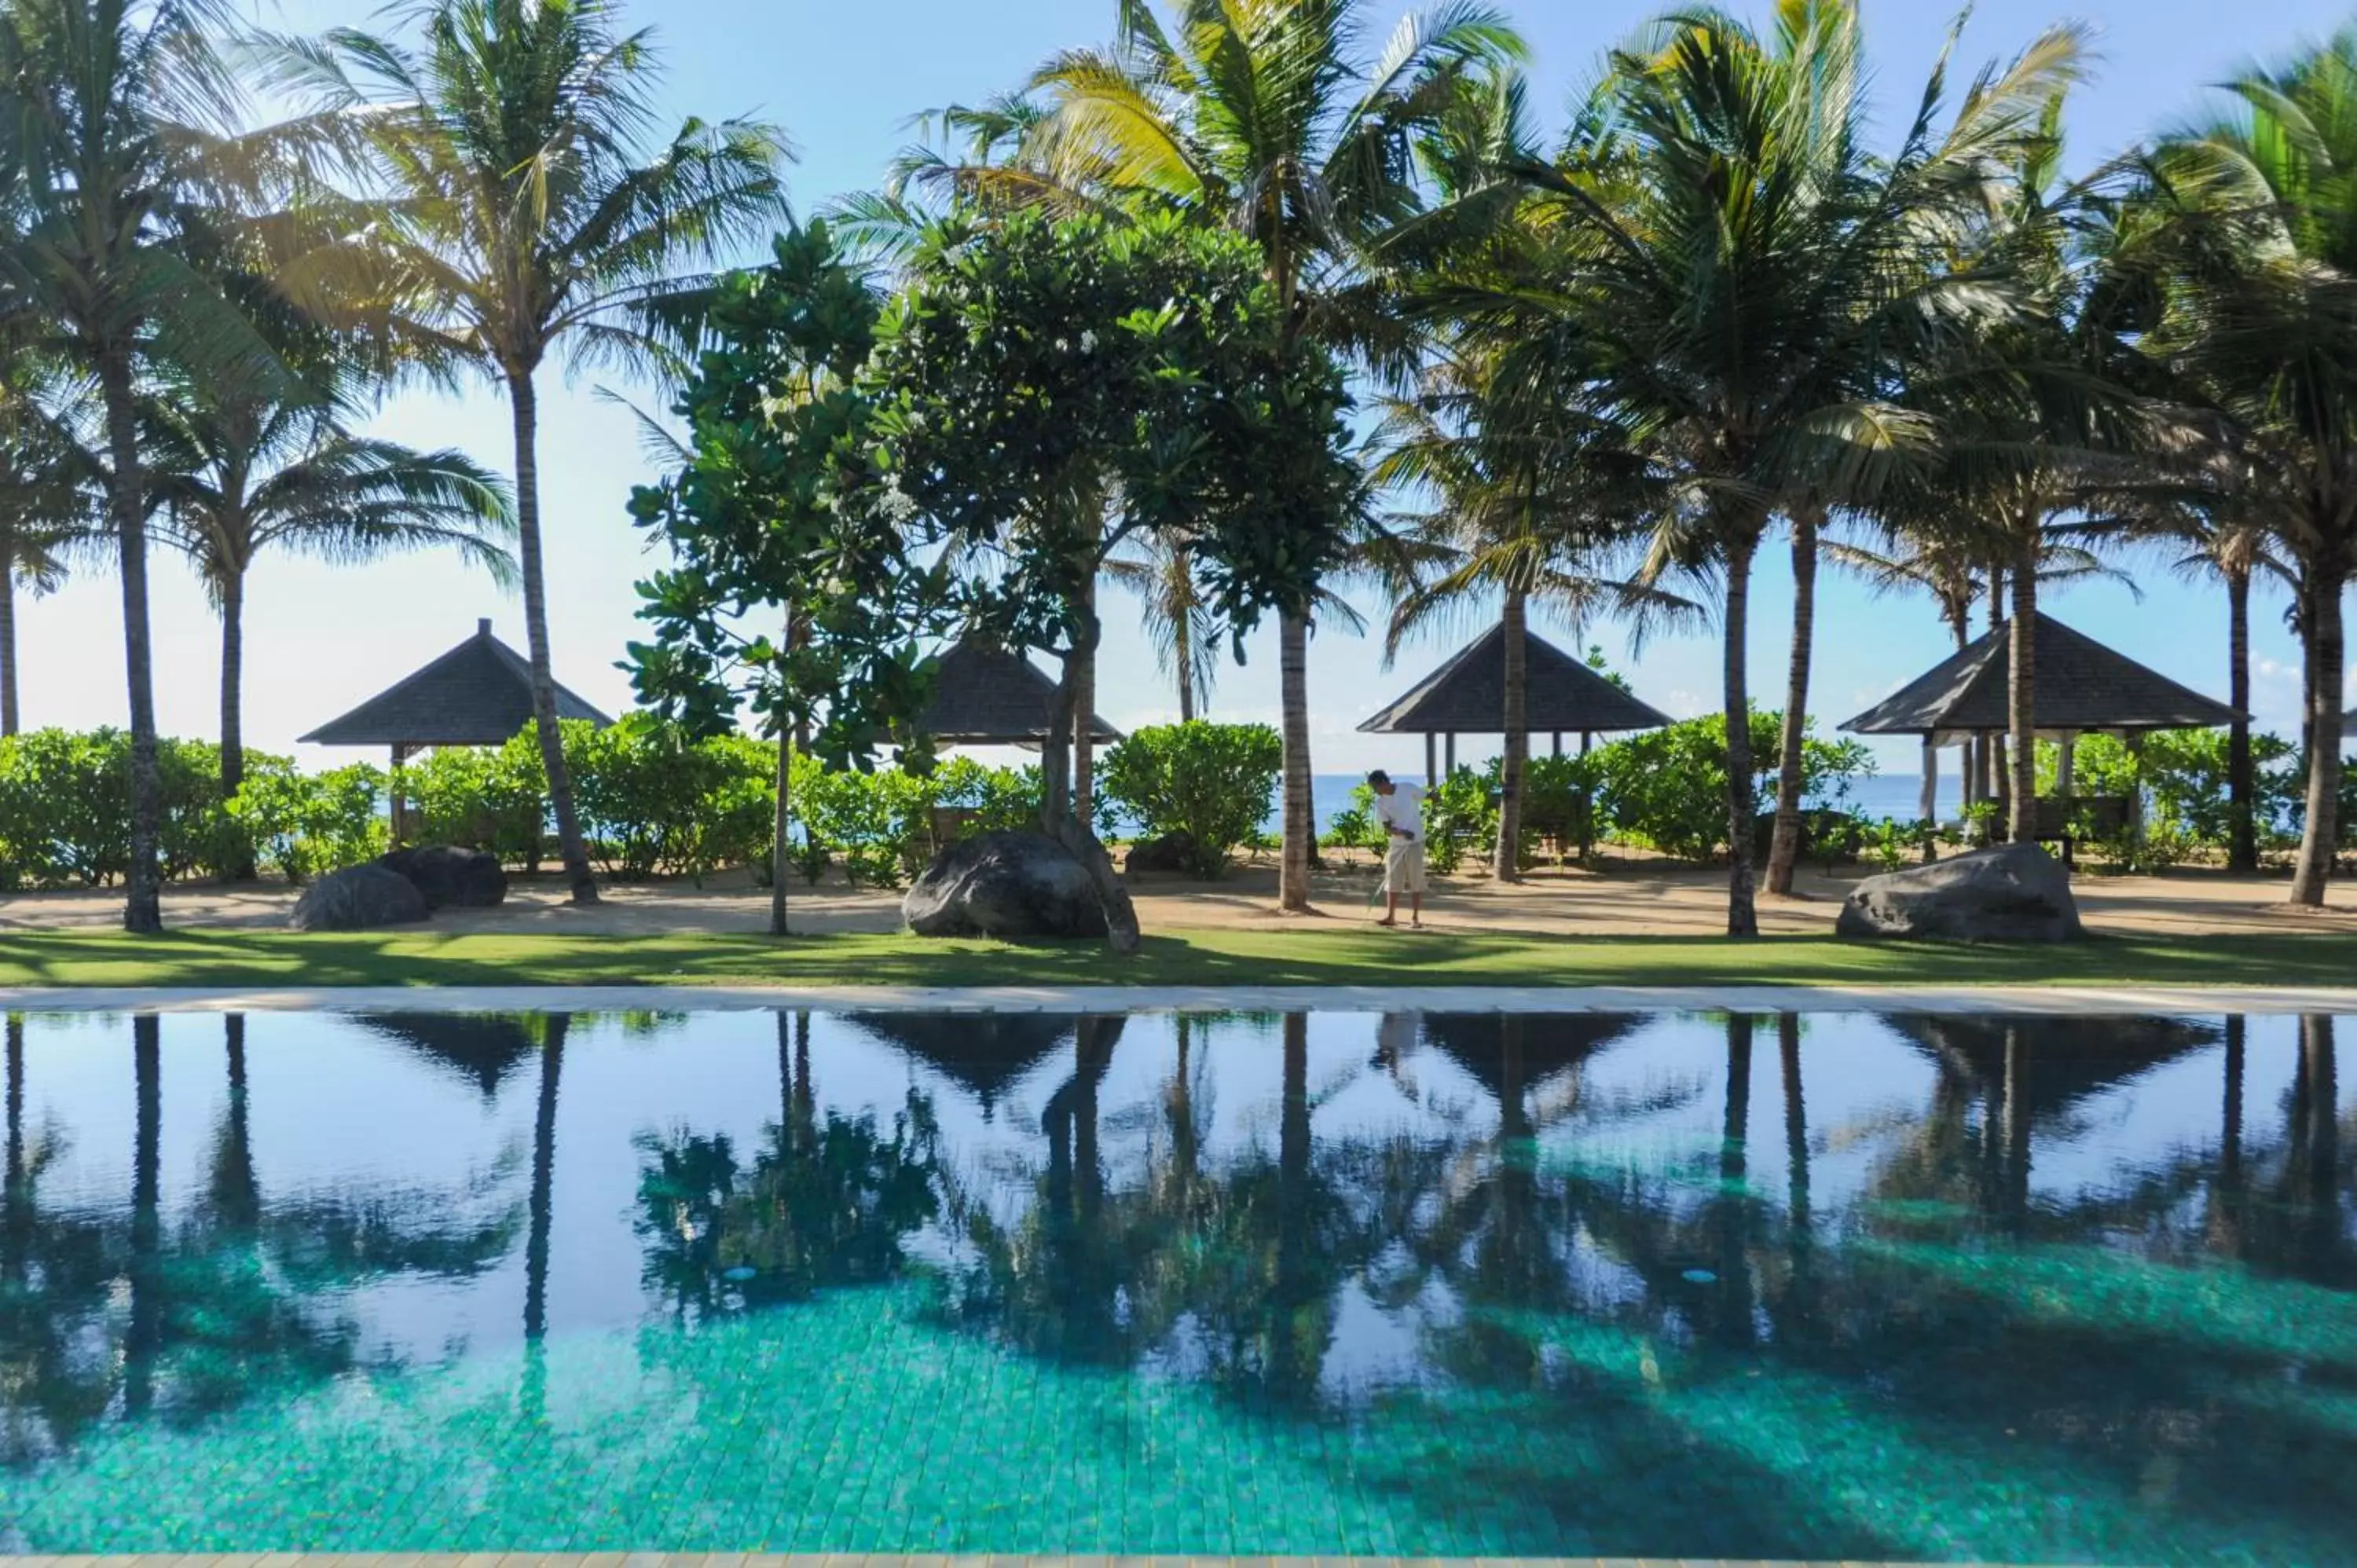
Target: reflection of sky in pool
2046 1290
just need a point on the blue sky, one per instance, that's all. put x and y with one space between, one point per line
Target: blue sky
843 80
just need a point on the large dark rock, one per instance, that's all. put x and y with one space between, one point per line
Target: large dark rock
2016 893
451 877
359 899
1005 885
1176 853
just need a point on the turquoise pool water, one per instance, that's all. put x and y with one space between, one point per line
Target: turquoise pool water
1840 1286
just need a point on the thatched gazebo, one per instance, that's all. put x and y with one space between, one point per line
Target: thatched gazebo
478 694
2082 688
1467 696
988 696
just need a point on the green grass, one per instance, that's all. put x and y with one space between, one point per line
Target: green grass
1291 957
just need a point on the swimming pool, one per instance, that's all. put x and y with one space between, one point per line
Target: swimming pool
1677 1284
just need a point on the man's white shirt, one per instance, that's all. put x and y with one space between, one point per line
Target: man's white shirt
1403 807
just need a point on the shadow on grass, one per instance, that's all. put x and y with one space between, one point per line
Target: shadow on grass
1249 958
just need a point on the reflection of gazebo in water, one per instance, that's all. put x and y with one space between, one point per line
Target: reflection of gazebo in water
1513 1056
985 1054
1467 696
2081 688
482 1048
2052 1063
478 694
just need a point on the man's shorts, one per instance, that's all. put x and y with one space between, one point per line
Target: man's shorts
1404 867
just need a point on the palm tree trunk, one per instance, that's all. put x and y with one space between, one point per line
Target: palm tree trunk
2321 619
1182 645
1512 766
1084 710
8 720
782 835
1742 912
2243 846
2021 688
143 908
232 716
1299 825
524 404
1784 848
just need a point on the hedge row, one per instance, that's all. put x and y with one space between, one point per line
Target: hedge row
651 799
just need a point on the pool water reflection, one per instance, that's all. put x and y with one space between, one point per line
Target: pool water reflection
1838 1286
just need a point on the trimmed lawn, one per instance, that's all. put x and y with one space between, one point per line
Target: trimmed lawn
1300 956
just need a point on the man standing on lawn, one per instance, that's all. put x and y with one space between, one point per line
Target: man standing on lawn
1399 811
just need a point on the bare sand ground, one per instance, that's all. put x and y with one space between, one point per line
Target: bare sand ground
1633 899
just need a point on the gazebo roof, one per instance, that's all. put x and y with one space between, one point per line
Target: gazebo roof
1468 696
2082 686
478 694
988 696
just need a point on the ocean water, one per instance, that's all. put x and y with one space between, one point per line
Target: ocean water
1895 795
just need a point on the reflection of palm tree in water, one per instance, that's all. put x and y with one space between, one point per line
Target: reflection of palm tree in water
144 1339
1079 1250
2313 1170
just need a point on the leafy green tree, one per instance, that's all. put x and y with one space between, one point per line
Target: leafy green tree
779 508
115 163
1031 364
515 207
1266 117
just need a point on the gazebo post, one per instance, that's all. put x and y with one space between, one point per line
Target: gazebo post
1451 758
2135 740
1431 759
1558 743
400 755
1928 809
2066 768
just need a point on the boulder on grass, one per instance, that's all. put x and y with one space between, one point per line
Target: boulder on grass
1176 853
2016 893
1005 885
359 899
451 877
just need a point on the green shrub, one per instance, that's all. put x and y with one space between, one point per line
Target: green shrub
482 798
1666 789
1211 782
65 808
302 824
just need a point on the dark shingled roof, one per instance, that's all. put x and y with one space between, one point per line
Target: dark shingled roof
1467 696
988 696
2081 686
478 694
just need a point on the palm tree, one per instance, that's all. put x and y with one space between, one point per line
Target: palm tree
2250 227
1735 276
238 474
1179 619
110 133
1518 512
1260 114
517 207
49 499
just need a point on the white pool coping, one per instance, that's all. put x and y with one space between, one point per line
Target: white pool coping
2075 1001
